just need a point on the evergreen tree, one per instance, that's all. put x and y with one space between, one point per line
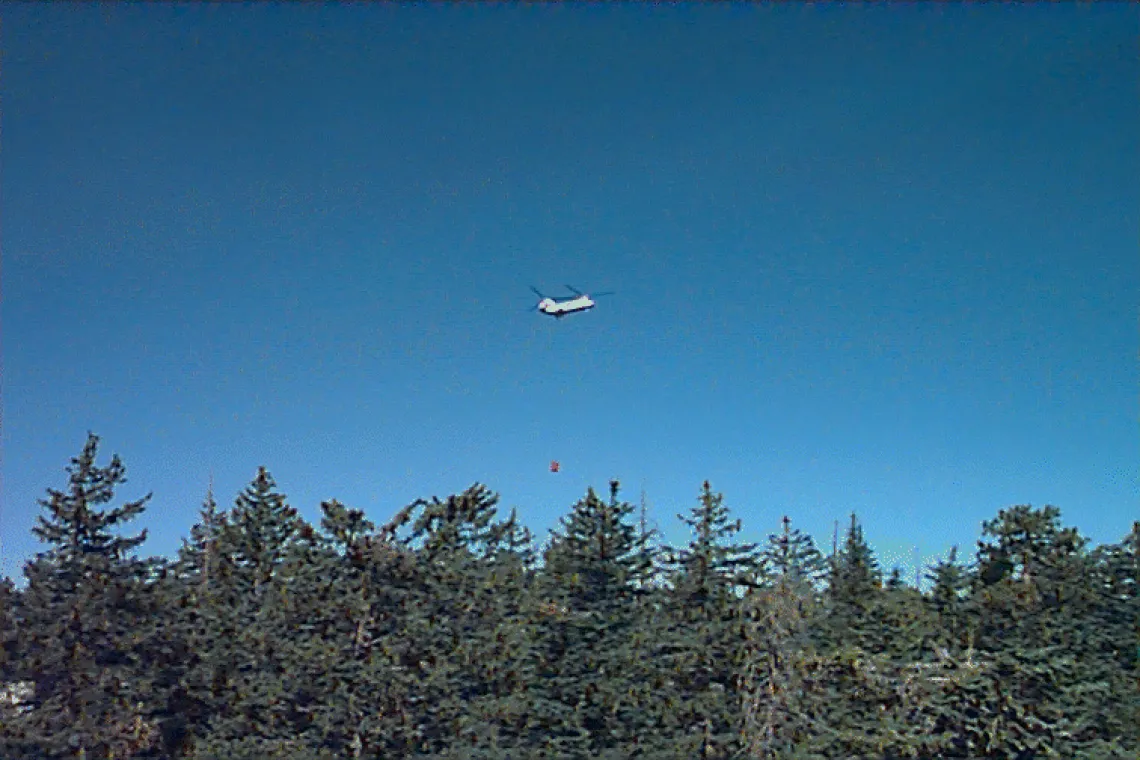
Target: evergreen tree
178 634
8 653
714 569
791 558
1118 576
247 637
1049 686
79 632
596 560
709 577
436 636
468 624
777 643
950 583
335 676
198 556
588 697
1117 619
366 612
854 592
905 621
12 691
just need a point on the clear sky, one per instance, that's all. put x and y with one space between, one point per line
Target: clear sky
872 259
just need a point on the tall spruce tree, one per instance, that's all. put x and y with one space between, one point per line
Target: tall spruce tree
198 556
79 632
473 655
247 638
778 618
853 592
792 559
187 633
1045 678
714 569
709 577
1118 578
589 698
335 677
343 681
365 612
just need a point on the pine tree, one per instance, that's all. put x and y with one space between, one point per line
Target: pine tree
8 653
1110 634
1048 683
198 555
1118 577
588 696
366 612
79 632
777 643
709 576
713 570
473 575
12 691
854 590
185 630
247 639
950 584
791 558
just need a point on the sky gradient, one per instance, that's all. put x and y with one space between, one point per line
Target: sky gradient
881 260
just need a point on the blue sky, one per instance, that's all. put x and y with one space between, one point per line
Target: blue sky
881 260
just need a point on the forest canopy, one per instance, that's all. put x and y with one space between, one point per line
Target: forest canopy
446 632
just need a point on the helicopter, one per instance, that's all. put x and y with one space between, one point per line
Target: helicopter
559 308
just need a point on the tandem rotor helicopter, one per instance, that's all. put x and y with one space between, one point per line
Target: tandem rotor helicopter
559 308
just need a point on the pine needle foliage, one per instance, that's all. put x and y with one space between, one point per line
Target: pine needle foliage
77 627
442 633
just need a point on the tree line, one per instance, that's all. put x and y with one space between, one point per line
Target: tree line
447 632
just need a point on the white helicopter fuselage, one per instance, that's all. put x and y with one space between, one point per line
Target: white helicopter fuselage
562 308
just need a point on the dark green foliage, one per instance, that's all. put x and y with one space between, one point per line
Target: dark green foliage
1116 577
596 560
854 593
1049 680
588 700
245 642
365 682
441 635
78 633
792 559
469 629
703 655
9 655
776 643
947 601
712 569
183 636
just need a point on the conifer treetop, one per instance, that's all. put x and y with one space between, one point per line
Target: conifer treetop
74 525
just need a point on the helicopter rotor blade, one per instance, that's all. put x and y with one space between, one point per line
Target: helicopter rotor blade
574 290
603 293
